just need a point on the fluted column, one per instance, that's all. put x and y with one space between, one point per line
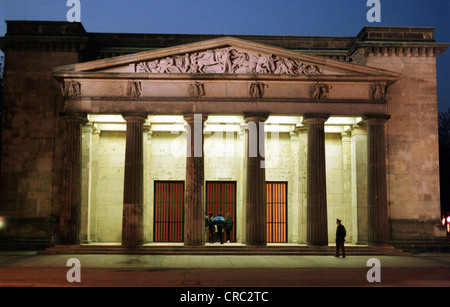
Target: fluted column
132 223
317 228
256 207
194 212
378 222
70 214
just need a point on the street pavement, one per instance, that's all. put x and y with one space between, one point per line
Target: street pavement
28 269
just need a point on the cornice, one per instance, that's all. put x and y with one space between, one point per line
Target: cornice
389 48
43 43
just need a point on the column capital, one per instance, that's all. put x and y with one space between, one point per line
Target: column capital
190 117
375 118
73 116
315 117
135 116
256 116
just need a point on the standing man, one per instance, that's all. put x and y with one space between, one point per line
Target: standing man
340 238
211 227
207 223
228 227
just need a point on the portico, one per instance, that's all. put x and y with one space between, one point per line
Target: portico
224 110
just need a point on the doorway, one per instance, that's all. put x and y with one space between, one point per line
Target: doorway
276 199
169 211
221 198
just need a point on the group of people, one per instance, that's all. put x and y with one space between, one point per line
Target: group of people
216 225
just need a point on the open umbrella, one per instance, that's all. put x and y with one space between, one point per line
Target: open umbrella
219 220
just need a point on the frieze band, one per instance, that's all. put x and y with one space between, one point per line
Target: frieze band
227 60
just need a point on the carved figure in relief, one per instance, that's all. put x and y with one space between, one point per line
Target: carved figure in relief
134 88
319 91
186 63
265 65
243 62
257 89
197 90
206 60
223 57
227 60
70 88
167 66
378 91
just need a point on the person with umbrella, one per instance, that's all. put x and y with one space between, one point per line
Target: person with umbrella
219 221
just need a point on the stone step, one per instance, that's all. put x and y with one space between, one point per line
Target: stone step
425 245
219 250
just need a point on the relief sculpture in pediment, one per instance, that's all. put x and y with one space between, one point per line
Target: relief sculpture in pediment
227 60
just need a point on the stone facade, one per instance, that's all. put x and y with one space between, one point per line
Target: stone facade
55 67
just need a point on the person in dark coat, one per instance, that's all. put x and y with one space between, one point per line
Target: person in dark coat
219 228
228 226
207 223
211 227
340 238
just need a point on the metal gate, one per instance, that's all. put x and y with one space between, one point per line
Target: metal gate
276 199
168 211
221 198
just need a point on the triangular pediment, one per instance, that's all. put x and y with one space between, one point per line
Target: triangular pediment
226 55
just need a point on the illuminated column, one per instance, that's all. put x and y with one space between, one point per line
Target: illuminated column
132 223
378 223
70 215
86 172
194 213
256 219
317 229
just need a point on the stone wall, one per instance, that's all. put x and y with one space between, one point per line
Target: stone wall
31 144
412 143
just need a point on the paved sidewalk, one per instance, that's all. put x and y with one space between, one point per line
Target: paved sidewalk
27 269
31 259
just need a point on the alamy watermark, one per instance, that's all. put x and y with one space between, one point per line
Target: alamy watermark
374 274
224 139
74 274
374 13
74 13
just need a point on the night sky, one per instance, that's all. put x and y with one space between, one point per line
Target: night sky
253 17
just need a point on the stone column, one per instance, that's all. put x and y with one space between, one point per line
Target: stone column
70 214
132 223
86 174
359 183
347 184
317 228
378 222
256 219
194 208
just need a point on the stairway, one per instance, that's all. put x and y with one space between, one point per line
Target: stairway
426 245
226 249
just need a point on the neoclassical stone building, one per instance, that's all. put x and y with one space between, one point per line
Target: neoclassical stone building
132 138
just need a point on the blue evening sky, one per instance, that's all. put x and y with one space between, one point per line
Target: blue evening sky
257 17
